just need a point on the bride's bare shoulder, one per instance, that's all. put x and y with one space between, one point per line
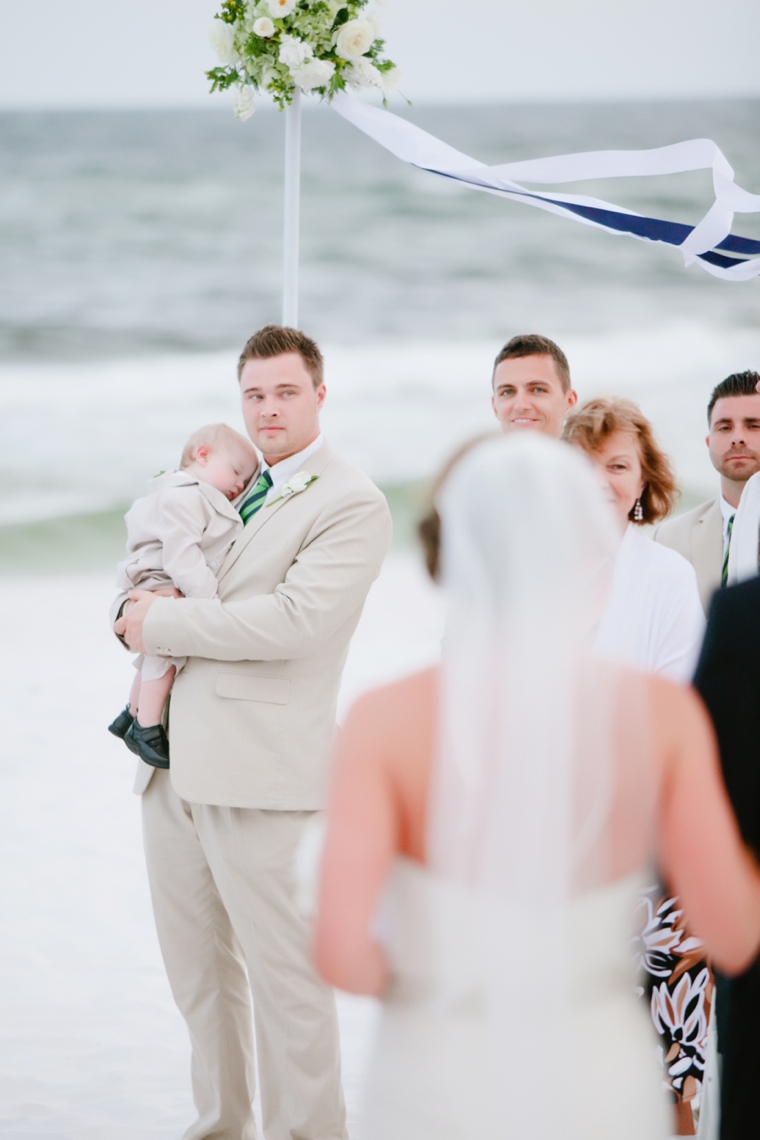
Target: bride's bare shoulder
674 695
386 708
676 708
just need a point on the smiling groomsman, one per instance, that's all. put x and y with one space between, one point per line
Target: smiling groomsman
532 390
703 535
251 724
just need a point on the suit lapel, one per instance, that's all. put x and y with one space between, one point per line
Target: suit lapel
707 550
315 465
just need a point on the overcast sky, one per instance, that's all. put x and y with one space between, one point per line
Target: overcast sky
102 53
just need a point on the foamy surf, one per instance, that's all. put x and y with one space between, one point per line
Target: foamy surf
80 438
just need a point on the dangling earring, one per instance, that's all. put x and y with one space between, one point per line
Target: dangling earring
638 513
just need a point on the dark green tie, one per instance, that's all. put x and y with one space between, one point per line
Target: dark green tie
255 500
724 572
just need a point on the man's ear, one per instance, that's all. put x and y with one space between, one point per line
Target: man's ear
321 393
572 398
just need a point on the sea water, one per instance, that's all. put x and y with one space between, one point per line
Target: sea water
140 249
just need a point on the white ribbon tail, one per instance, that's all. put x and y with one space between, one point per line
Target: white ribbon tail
710 243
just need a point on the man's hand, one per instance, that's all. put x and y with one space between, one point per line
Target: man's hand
130 625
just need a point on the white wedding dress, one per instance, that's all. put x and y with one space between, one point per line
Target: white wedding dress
512 1011
430 1072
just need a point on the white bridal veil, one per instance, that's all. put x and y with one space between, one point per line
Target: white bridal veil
522 802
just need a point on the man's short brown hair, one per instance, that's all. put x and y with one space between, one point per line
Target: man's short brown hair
737 384
276 340
532 344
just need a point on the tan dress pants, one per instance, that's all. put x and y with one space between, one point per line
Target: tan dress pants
224 891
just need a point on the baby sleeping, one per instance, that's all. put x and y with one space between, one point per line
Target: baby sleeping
177 538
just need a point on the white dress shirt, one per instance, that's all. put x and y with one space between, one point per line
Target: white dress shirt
654 618
728 512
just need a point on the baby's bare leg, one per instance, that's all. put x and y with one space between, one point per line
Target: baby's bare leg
134 694
152 698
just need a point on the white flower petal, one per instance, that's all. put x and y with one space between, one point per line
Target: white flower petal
221 36
355 38
244 104
314 73
264 27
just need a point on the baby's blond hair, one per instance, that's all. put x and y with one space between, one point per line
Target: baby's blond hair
218 437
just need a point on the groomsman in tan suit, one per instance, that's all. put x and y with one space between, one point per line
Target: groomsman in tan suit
250 726
532 390
703 535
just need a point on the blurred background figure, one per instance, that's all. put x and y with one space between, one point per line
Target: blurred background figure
502 812
703 534
728 679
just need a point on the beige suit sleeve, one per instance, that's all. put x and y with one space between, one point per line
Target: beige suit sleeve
183 521
327 583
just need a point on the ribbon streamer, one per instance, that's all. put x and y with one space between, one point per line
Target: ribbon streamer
710 242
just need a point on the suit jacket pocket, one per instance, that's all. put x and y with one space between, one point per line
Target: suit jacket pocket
245 687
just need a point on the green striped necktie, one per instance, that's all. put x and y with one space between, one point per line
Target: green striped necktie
724 572
255 500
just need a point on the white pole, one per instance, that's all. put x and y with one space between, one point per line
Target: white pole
292 211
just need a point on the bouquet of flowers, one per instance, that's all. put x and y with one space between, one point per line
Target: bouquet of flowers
277 45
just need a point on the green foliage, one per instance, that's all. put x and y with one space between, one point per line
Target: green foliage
255 46
337 83
222 77
232 10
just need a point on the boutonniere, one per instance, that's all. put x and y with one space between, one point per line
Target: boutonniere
294 485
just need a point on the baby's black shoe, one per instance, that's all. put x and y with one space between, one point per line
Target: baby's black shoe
150 744
120 727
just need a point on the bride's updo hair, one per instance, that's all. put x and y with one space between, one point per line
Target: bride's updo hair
429 526
591 424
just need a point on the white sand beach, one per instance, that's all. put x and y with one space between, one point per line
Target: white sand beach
91 1045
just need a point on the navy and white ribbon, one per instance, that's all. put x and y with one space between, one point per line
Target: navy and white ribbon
710 243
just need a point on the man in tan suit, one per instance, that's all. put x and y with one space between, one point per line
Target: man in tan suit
250 727
703 535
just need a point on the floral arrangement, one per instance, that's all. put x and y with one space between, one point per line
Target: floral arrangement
322 46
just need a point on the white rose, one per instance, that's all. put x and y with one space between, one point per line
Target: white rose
315 73
280 8
264 27
391 79
294 53
361 75
355 38
244 106
296 483
221 36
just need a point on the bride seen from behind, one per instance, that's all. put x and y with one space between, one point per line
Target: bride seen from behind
492 821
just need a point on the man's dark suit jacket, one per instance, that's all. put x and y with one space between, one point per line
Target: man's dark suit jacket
728 679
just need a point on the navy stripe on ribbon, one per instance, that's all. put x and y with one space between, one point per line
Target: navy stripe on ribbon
648 229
